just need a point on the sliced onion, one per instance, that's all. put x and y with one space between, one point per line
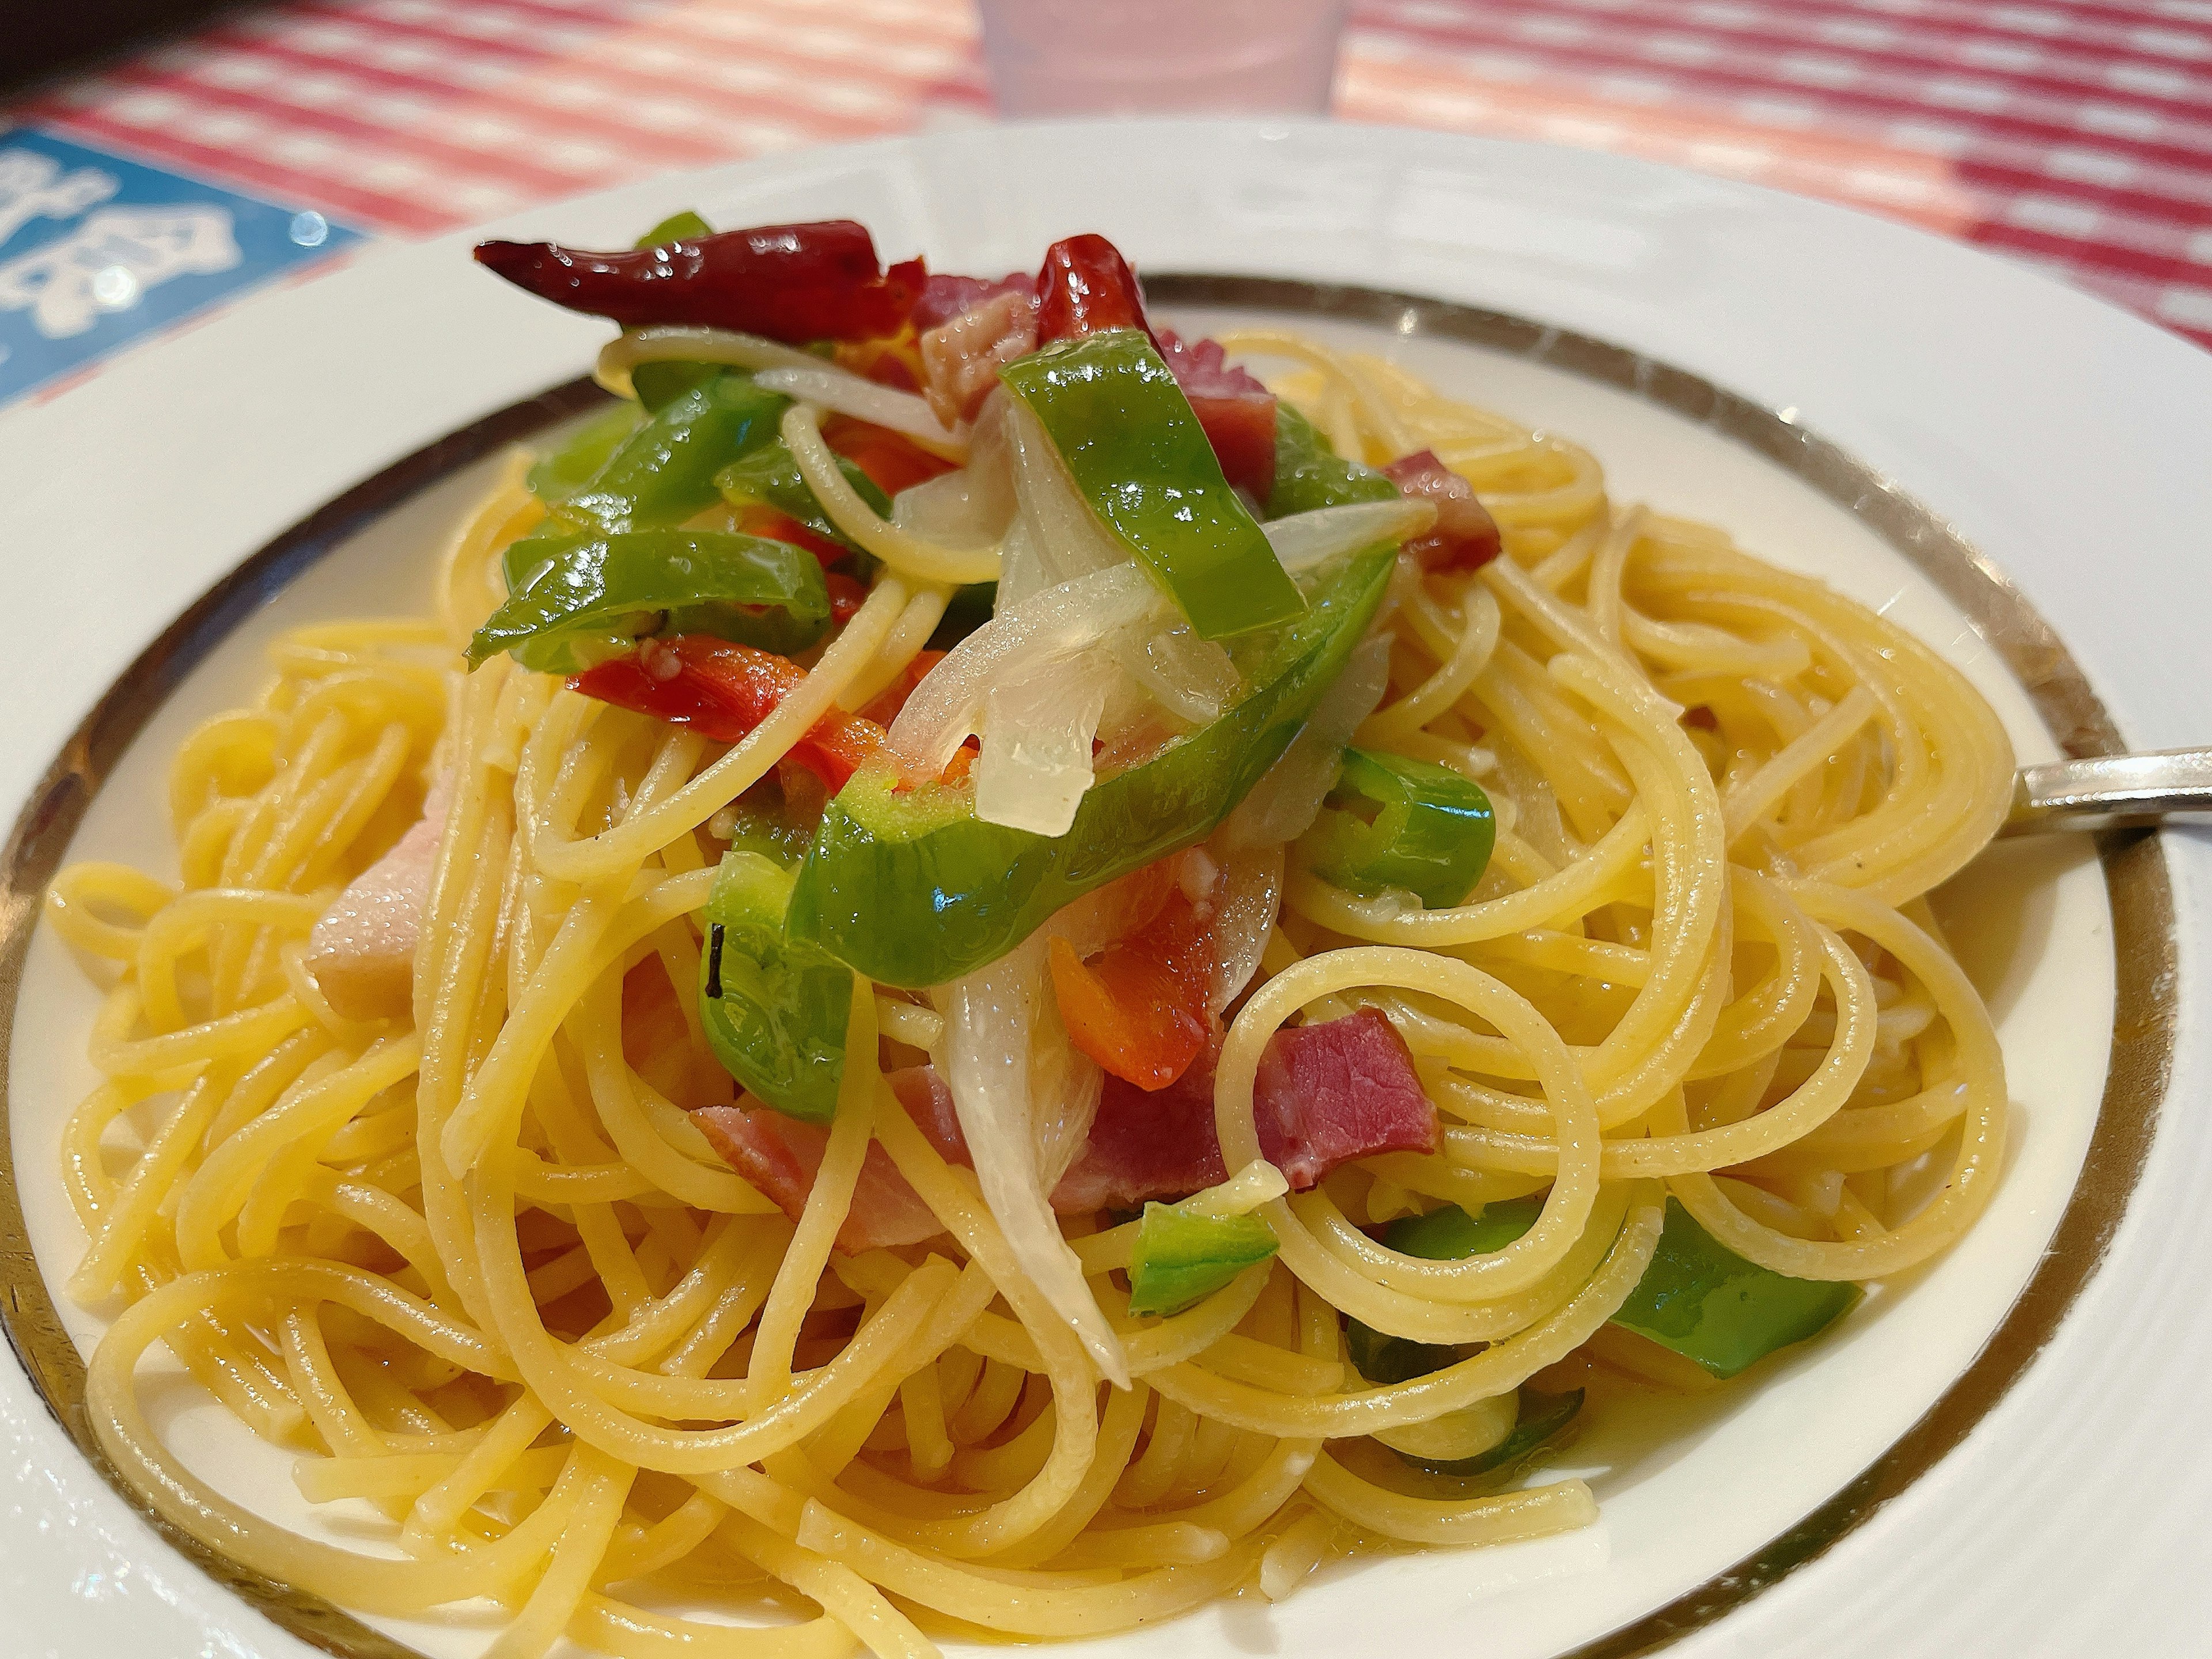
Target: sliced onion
863 399
1058 623
1305 539
1245 903
972 507
684 342
1284 804
1009 1105
1037 732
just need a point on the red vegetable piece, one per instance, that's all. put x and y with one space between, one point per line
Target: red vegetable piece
892 698
759 519
1087 287
846 596
1139 1008
790 282
892 460
1465 537
1237 412
723 690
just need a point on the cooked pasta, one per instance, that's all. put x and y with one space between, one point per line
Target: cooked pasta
473 1258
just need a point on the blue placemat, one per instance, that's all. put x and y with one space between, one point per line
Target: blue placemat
97 250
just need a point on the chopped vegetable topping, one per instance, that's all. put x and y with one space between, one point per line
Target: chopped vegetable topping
790 282
1139 1009
1708 1304
1181 1258
1430 833
773 1011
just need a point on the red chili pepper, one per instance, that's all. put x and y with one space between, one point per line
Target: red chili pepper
791 282
1465 537
1139 1008
1085 287
723 691
892 460
846 596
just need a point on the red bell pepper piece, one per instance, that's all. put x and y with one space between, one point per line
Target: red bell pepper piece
892 460
1087 287
790 282
1465 537
723 690
1139 1009
760 519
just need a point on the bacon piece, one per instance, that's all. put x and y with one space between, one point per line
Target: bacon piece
779 1156
362 952
1465 536
1326 1095
960 359
1237 412
944 296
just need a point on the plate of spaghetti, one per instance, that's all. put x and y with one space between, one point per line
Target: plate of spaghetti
1048 939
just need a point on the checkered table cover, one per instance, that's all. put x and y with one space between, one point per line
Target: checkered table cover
2075 136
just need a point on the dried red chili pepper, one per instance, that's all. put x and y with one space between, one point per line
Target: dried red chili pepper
1085 287
790 282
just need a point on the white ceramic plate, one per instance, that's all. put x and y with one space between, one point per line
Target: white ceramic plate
2062 439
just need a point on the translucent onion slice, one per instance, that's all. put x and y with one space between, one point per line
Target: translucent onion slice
1245 906
1305 539
863 399
1057 624
683 343
1007 1105
1284 804
1037 731
972 506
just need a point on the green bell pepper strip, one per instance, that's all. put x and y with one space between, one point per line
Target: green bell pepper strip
555 477
1431 836
912 889
664 471
757 829
1447 1234
657 384
1181 1258
1542 1416
572 596
775 1011
684 227
1708 1304
1142 461
1310 475
769 475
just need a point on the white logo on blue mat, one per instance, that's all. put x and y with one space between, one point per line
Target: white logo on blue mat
108 262
33 186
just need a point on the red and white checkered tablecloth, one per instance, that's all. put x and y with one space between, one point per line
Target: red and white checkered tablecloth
2076 135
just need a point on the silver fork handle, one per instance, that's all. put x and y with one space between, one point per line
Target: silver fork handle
2107 790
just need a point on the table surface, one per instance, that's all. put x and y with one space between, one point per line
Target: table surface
2076 137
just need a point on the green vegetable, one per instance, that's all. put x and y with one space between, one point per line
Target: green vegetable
1430 833
1142 461
1708 1304
1182 1257
565 599
1543 1417
1447 1233
758 829
664 471
775 1011
770 476
556 477
684 227
1310 475
912 889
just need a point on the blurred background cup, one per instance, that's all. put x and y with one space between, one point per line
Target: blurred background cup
1161 57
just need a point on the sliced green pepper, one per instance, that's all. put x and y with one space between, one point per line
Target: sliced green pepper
756 828
1542 1416
1181 1257
658 383
912 889
676 227
769 475
775 1011
556 477
565 600
664 471
1142 461
1708 1304
1447 1234
1430 834
1310 475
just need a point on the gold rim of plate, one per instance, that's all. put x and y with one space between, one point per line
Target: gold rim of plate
2136 882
